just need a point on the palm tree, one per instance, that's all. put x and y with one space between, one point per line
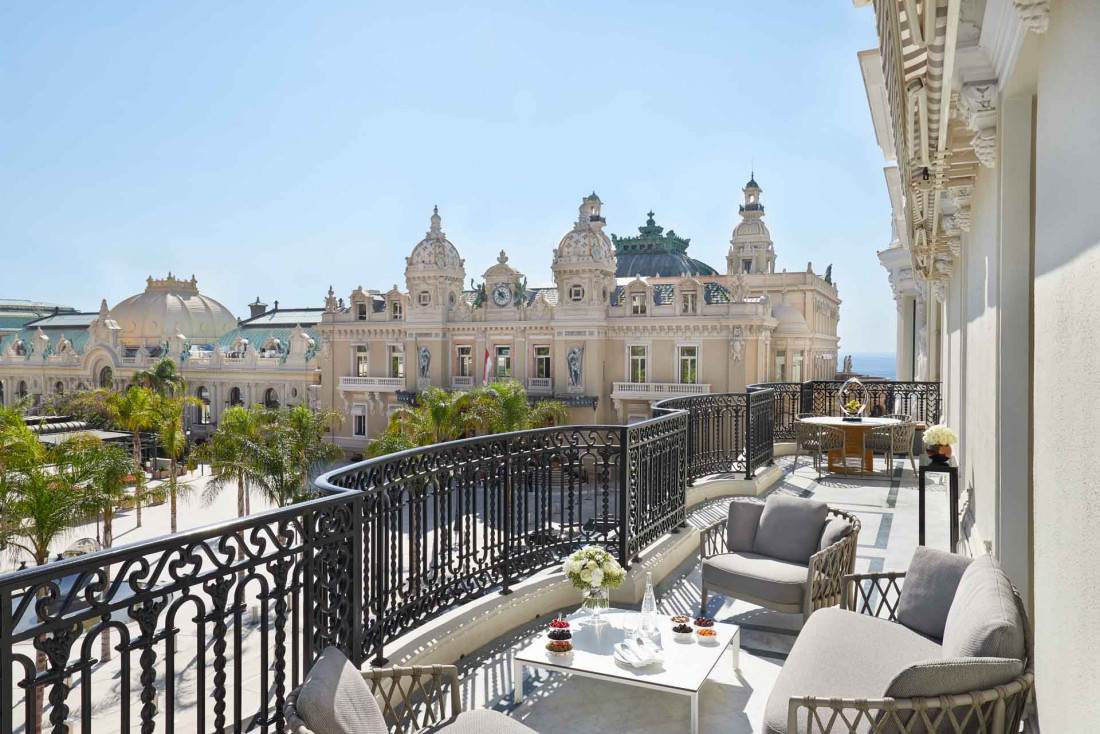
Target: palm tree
447 416
169 425
509 409
302 432
134 410
234 452
276 476
162 378
112 466
42 505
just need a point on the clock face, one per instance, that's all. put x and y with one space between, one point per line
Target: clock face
502 295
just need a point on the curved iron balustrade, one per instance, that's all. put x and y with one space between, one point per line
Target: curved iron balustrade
395 541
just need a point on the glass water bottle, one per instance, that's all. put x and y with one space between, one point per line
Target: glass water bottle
649 606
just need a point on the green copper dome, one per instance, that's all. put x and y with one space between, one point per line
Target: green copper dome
655 252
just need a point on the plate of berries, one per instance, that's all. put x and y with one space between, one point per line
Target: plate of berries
681 619
559 624
683 633
560 648
707 636
704 622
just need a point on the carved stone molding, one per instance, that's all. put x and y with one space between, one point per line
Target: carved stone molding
939 290
945 265
977 106
1035 14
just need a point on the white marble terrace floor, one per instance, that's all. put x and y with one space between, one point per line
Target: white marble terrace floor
730 702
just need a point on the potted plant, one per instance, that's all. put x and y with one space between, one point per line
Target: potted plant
594 571
937 442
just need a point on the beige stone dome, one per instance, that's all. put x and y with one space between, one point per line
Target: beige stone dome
169 307
435 251
587 243
791 321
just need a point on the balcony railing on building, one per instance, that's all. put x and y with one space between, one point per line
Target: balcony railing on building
655 390
373 384
227 618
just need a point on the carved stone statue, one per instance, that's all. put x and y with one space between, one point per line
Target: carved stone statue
576 355
738 290
425 361
848 364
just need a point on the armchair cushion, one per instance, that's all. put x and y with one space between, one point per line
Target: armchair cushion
744 518
754 575
929 588
836 530
984 620
790 528
334 699
479 721
950 676
843 654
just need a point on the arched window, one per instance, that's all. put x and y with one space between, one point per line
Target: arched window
271 398
235 396
106 377
21 392
202 412
59 387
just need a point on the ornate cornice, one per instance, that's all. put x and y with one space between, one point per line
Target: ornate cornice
977 106
1035 14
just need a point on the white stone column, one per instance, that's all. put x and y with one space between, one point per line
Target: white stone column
1014 450
905 338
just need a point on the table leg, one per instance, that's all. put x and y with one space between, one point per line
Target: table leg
695 713
953 487
735 646
920 506
517 680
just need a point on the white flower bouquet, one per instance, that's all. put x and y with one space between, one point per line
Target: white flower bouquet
593 568
940 435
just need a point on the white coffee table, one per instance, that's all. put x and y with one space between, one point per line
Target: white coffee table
684 668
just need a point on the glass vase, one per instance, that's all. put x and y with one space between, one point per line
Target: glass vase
595 602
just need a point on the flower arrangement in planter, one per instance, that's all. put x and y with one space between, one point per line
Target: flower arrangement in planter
594 571
852 397
937 441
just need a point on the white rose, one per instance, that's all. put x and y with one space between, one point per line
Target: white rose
592 565
586 576
597 577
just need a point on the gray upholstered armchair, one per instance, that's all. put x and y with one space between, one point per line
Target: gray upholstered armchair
788 554
336 698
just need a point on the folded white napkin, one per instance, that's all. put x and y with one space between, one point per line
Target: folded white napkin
637 653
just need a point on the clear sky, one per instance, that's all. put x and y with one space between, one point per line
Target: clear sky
275 148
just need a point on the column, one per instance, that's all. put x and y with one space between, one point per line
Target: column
1014 449
904 352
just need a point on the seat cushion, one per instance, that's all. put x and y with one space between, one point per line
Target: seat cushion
790 528
479 721
335 699
836 530
845 655
741 525
984 619
929 589
754 575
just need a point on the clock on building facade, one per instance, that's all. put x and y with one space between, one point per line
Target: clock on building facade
502 294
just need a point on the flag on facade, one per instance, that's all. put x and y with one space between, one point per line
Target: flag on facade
485 372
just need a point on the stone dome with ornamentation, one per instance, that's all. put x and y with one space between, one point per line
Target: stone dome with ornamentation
168 307
586 243
435 252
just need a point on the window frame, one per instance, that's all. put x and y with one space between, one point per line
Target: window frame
632 358
397 310
507 355
424 298
361 313
639 304
355 353
395 357
689 297
696 358
459 360
576 293
358 411
547 358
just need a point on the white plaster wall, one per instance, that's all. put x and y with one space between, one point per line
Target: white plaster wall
1067 382
979 470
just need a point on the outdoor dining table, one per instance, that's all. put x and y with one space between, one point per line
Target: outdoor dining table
855 442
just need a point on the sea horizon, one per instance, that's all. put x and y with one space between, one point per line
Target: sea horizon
873 364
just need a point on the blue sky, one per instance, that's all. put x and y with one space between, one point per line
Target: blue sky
275 148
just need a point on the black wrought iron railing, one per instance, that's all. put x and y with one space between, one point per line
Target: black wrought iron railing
208 630
726 432
921 401
224 620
